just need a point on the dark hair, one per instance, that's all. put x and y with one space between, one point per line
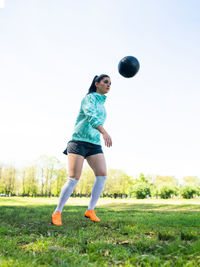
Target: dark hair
96 79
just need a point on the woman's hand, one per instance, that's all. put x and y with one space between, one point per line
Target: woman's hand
107 139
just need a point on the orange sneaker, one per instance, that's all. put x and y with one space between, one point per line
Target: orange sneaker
91 214
56 218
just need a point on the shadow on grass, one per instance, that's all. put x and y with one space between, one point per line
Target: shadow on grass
161 207
30 219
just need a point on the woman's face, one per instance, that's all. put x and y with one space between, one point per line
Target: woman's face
103 86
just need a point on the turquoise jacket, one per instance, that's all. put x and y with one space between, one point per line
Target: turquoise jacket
92 113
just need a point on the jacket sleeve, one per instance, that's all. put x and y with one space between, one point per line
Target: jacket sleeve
89 109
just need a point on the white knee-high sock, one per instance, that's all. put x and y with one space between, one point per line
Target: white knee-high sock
96 191
66 192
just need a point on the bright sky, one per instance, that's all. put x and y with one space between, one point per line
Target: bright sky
51 50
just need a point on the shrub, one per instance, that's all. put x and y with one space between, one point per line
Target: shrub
140 190
167 191
188 191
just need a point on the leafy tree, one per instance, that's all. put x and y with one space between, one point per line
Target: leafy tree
117 183
61 178
155 191
149 179
85 183
30 183
188 191
142 178
165 180
167 191
9 180
140 190
192 180
1 179
46 172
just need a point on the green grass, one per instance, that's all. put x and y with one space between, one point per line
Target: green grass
130 233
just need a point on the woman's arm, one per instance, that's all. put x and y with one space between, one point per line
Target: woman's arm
106 136
101 129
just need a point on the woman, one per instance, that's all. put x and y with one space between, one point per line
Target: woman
86 143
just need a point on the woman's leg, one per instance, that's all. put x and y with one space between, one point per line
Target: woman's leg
75 164
98 164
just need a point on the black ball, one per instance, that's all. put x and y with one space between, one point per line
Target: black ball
128 66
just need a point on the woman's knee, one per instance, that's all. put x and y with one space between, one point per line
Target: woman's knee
74 173
74 176
101 173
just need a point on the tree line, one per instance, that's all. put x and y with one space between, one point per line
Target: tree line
47 175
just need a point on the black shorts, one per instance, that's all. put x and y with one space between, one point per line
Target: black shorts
82 148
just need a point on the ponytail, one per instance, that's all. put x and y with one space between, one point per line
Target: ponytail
92 86
96 79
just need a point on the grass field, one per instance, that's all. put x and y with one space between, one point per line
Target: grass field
130 233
